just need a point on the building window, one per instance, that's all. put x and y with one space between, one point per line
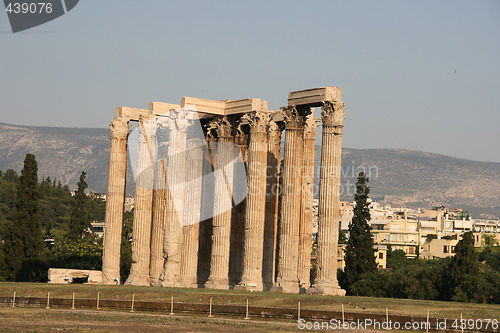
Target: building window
445 249
381 255
380 266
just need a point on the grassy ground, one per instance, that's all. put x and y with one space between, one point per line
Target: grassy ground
267 299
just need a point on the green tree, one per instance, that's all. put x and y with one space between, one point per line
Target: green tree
79 218
464 266
359 253
23 245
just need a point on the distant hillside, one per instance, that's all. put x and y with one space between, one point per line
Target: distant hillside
398 177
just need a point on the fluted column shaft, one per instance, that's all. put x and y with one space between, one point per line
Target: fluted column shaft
287 280
238 218
256 203
306 212
190 228
329 201
270 227
157 227
219 261
115 199
144 183
174 202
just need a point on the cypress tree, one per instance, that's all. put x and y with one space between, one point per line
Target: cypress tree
359 253
465 262
79 218
23 243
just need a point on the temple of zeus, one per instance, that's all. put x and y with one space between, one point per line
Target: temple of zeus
207 208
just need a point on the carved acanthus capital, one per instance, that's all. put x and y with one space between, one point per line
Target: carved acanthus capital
241 138
333 113
258 121
311 126
119 128
147 128
274 133
222 126
293 120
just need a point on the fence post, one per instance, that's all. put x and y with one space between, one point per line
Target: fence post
298 311
133 300
73 302
98 296
387 314
14 300
172 305
343 317
210 313
461 323
246 313
48 300
427 323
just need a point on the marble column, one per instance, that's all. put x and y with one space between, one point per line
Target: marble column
191 222
115 199
329 200
224 163
287 279
238 216
158 227
256 203
174 203
143 212
306 212
271 218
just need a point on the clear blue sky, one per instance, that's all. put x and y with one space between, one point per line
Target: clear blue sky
395 61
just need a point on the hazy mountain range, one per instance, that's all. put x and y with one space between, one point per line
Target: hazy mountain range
398 177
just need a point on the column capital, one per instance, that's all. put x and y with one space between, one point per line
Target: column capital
293 120
223 127
274 132
333 113
118 129
258 121
310 127
241 138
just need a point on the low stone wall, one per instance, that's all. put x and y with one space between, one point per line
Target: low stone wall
63 275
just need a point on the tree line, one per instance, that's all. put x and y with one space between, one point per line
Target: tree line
42 225
471 275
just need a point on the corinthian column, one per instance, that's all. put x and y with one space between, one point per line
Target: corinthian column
256 203
287 280
141 229
174 203
306 212
115 198
191 223
219 261
270 227
329 200
159 194
238 216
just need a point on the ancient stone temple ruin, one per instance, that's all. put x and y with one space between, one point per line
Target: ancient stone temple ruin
207 208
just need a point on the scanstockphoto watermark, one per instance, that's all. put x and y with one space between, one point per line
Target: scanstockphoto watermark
27 14
365 324
373 324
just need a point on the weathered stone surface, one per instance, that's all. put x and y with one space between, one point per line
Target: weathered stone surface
271 218
190 226
63 275
287 280
141 234
329 200
306 212
114 202
256 203
224 167
314 97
